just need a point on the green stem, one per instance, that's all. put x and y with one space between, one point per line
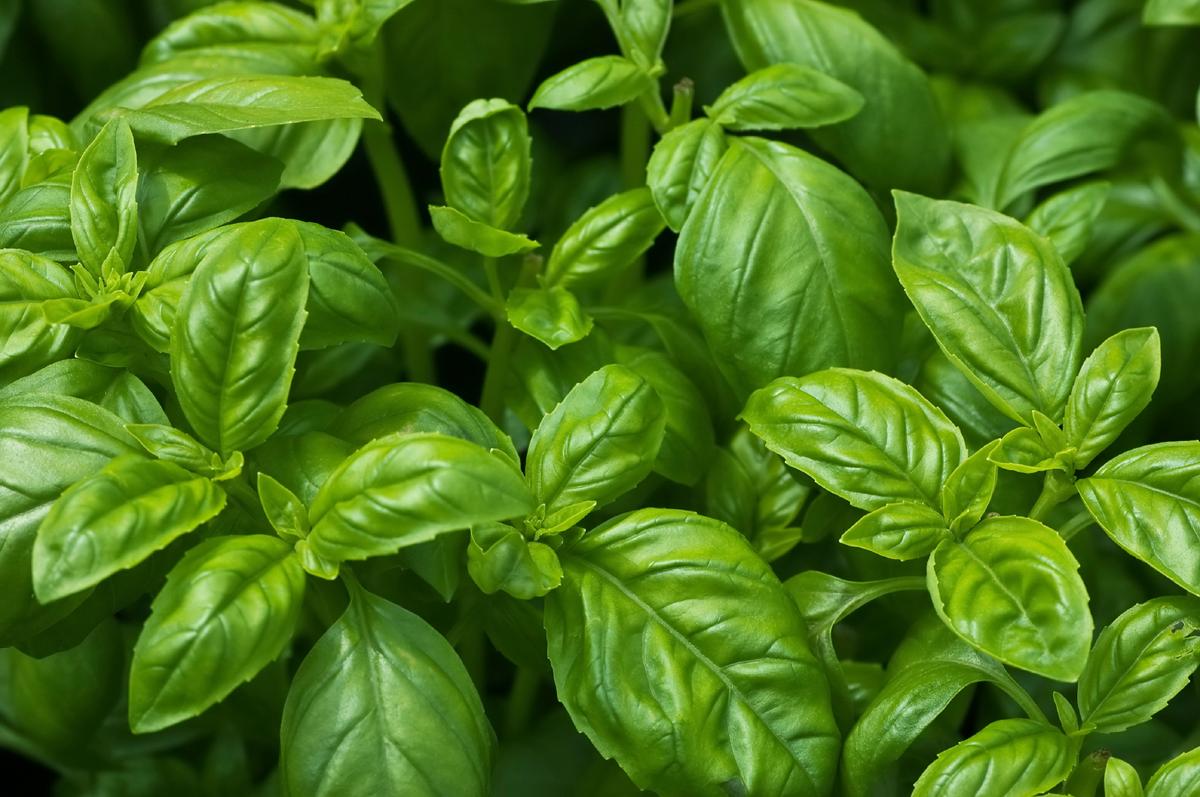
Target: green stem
518 708
1056 488
683 94
1085 779
410 257
635 145
1076 524
491 400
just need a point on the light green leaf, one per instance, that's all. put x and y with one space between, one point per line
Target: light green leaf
230 26
1008 758
1011 588
680 165
1067 218
354 23
552 315
116 518
14 129
676 651
784 96
114 389
104 207
499 558
402 489
1024 451
968 490
599 442
486 163
1121 780
175 446
235 337
972 275
597 83
1171 12
284 510
1113 386
1180 775
900 531
640 26
605 239
383 705
27 340
37 220
460 230
1148 501
228 609
900 447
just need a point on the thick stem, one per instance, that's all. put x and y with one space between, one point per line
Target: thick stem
1076 524
1057 487
1085 779
635 145
492 399
684 93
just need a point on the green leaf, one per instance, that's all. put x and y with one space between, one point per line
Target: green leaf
228 27
104 207
499 558
1067 218
900 531
783 265
284 510
1171 12
1013 757
1011 588
599 442
37 219
413 407
606 239
1024 451
114 389
552 315
14 129
460 230
116 518
235 337
1180 775
177 447
486 163
302 463
640 26
225 104
383 705
402 489
1139 662
1121 780
1114 385
968 490
900 446
782 97
1148 501
27 340
680 165
597 83
971 273
354 23
676 651
228 609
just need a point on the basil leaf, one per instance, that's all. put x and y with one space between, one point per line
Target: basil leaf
784 96
599 442
968 490
640 25
680 165
605 239
1011 757
216 30
114 389
970 273
1012 589
350 24
104 208
116 518
1139 662
486 163
602 82
27 340
1114 385
782 263
1068 217
902 447
228 609
676 652
1024 451
1121 780
459 229
405 489
499 558
234 344
1147 501
1180 775
37 219
302 463
14 128
900 531
383 705
1171 12
552 315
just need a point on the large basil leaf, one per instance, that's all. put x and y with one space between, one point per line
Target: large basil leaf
1008 758
677 652
866 437
113 520
403 489
1011 588
228 609
27 340
599 442
383 705
783 264
1139 662
233 348
899 138
104 206
997 298
1148 501
486 163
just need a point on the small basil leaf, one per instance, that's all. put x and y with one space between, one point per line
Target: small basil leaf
594 84
459 229
486 163
1148 501
354 24
784 96
900 531
1180 775
1011 757
970 273
173 445
114 389
902 446
228 609
1113 386
1011 588
383 705
28 340
552 315
968 490
104 208
640 26
114 519
680 165
1022 450
1067 217
1121 780
605 239
284 510
499 558
405 489
599 442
